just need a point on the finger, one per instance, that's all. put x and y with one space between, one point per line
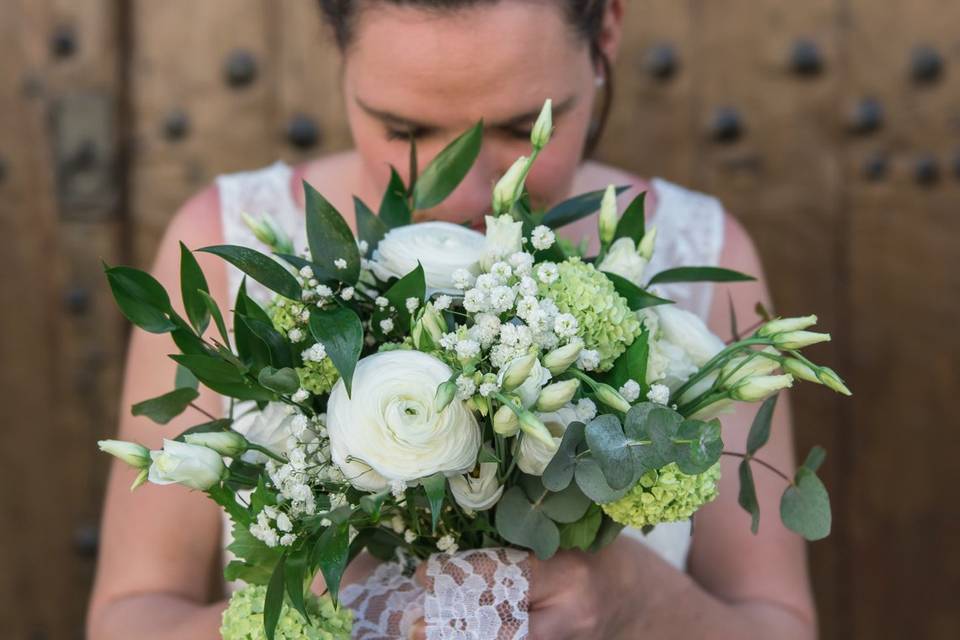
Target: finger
418 631
547 625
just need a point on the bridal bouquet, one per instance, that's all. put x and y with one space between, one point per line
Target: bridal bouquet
426 388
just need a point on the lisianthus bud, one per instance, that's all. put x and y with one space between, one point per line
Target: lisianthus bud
608 215
553 396
540 135
759 387
780 325
188 464
799 369
508 188
712 410
268 233
428 329
647 242
516 371
135 455
612 398
740 368
833 381
226 443
532 426
560 359
446 392
505 422
799 339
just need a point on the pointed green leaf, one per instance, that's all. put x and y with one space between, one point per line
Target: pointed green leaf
805 506
141 299
748 496
192 285
448 169
394 210
295 574
370 228
582 533
575 208
184 378
699 274
165 408
253 351
214 311
412 285
284 381
733 318
273 602
815 458
340 332
260 267
278 347
632 223
760 429
223 377
636 297
331 553
436 488
330 239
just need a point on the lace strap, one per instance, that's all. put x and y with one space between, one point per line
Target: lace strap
261 192
689 233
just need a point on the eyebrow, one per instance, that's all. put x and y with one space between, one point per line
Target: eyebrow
514 121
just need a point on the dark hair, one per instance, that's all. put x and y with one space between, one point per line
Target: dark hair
585 16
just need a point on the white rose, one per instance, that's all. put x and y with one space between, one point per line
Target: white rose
269 428
623 259
504 238
477 493
189 464
534 455
389 430
441 247
682 344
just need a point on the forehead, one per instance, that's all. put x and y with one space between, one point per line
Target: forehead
489 60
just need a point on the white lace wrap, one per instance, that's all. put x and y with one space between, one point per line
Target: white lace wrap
480 594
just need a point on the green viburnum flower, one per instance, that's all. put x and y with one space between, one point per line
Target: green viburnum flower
605 321
665 495
286 315
243 619
318 377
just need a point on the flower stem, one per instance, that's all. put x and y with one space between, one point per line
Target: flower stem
202 410
266 452
762 463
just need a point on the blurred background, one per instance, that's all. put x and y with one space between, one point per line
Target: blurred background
831 128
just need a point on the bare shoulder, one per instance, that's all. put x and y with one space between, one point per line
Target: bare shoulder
739 251
594 175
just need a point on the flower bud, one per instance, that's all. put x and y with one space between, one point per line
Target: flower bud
268 233
799 339
553 396
509 187
780 325
540 135
799 369
833 381
226 443
516 371
647 243
505 422
188 464
712 410
140 479
608 215
135 455
743 367
428 329
532 426
446 391
560 359
757 388
612 398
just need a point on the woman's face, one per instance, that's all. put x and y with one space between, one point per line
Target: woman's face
436 74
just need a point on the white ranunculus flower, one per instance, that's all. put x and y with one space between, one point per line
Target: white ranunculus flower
681 344
504 238
623 259
188 464
441 247
388 428
534 455
529 391
269 428
477 493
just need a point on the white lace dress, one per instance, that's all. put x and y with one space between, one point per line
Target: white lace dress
689 232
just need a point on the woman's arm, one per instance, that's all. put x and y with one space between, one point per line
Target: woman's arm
159 545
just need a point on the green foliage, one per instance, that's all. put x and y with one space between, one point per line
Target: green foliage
412 285
223 377
193 285
699 274
331 554
284 381
524 524
394 210
747 498
260 267
760 429
214 311
184 379
435 487
273 601
636 297
632 223
447 169
370 228
339 331
252 557
632 364
559 472
141 299
575 208
582 533
166 407
805 506
330 239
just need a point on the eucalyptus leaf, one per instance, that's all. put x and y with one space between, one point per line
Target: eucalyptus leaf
184 378
760 429
525 526
370 228
705 450
636 297
192 284
448 169
261 267
559 472
748 495
165 408
699 274
340 332
582 533
330 239
284 381
805 506
435 487
394 210
608 532
815 458
590 479
575 208
566 506
610 448
632 223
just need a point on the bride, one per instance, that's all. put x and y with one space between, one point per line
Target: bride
428 69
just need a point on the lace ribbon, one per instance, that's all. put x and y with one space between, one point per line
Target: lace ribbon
480 594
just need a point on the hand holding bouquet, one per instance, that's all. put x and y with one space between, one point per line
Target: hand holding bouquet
427 388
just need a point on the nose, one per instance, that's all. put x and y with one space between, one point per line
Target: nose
470 201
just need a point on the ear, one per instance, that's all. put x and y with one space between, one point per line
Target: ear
611 32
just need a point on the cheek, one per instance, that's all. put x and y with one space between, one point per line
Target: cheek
375 150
